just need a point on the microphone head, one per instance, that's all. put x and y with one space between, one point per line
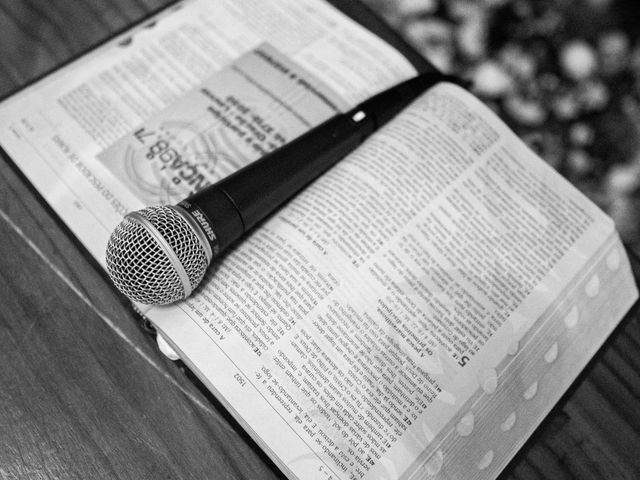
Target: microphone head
156 255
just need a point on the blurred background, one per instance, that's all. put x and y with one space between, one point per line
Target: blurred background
564 74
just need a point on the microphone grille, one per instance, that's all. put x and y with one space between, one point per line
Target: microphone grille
154 256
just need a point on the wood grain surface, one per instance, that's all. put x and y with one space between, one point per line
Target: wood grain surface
84 392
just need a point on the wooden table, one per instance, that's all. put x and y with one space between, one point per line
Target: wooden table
84 391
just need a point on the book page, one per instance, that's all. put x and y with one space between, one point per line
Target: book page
416 311
250 108
55 129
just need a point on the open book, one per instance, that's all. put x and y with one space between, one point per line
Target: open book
414 313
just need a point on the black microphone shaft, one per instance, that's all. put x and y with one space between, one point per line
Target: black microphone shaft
237 203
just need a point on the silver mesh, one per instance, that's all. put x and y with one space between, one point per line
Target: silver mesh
139 266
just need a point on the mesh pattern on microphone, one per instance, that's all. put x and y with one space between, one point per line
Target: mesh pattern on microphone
140 268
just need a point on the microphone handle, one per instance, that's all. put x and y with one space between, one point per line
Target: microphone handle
238 202
232 206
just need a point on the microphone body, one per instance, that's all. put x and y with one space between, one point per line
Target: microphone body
158 255
237 203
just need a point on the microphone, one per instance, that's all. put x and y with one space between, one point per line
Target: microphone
159 255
